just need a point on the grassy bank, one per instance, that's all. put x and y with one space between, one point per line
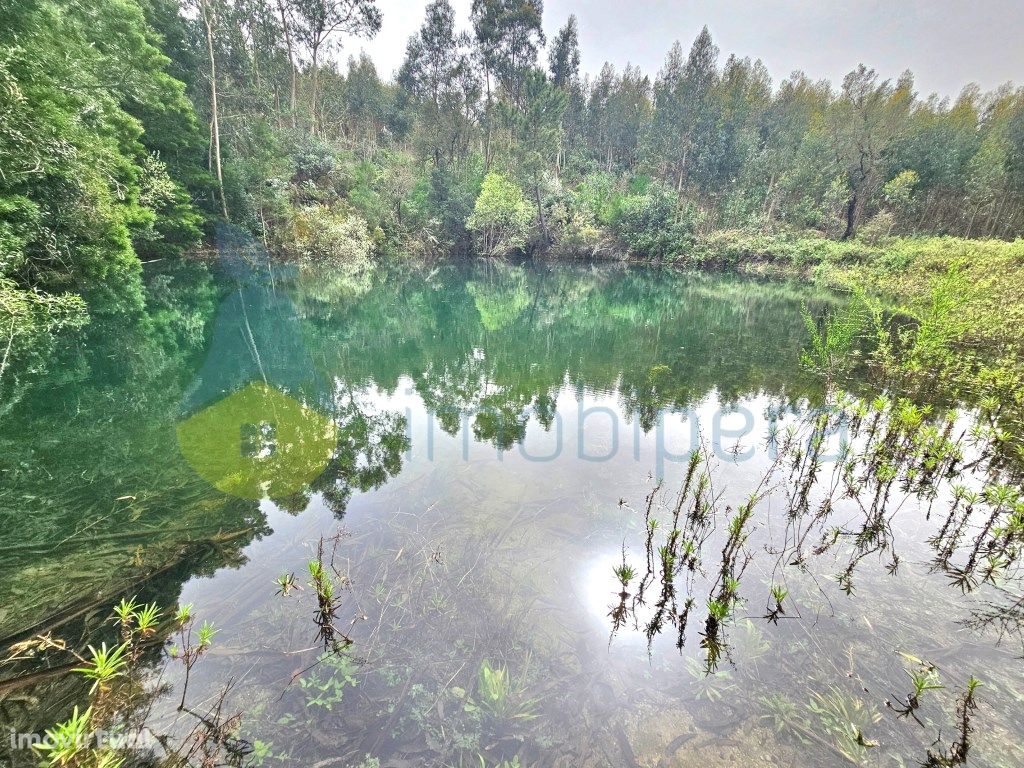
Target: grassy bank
962 299
984 277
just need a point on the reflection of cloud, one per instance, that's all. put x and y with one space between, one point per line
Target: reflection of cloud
598 589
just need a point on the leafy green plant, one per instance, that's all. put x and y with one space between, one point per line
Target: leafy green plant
124 611
105 664
709 685
833 340
325 685
67 740
625 574
501 217
147 619
497 697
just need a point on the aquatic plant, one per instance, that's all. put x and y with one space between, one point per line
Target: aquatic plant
924 678
710 686
147 619
286 582
325 685
775 608
67 740
104 665
190 652
498 697
625 574
784 716
845 719
833 339
956 755
124 612
327 602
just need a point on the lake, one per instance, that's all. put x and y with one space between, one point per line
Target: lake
571 515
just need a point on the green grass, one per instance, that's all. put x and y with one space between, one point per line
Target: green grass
906 270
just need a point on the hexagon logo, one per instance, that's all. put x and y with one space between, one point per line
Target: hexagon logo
258 443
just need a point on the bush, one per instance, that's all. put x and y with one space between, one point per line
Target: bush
649 225
878 228
322 234
501 217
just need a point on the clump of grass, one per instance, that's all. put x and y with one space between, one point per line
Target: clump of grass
499 697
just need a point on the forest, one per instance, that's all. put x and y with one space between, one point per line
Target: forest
129 128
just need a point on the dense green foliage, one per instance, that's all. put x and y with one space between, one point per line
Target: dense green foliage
98 144
614 163
124 125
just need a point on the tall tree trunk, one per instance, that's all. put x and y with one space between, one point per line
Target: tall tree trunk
314 69
544 237
214 111
487 119
291 57
851 217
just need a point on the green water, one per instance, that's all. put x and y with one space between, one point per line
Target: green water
497 438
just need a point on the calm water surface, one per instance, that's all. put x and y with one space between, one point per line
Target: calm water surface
476 450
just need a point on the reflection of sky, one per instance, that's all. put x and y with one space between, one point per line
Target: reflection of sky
592 456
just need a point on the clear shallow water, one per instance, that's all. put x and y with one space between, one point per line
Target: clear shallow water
493 434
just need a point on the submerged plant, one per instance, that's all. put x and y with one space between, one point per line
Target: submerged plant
710 686
498 697
846 719
956 754
784 716
325 685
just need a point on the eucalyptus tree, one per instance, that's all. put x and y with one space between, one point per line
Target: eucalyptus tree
784 125
209 15
599 115
938 142
863 125
685 121
744 94
319 23
507 36
437 73
564 66
564 58
630 113
538 127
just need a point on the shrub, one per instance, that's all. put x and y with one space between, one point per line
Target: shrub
501 217
649 225
322 234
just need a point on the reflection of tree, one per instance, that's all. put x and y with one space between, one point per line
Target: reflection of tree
369 452
95 496
494 343
501 297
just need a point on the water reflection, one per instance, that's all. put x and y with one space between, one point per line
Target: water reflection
504 438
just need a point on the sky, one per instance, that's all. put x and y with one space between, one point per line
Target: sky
945 43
